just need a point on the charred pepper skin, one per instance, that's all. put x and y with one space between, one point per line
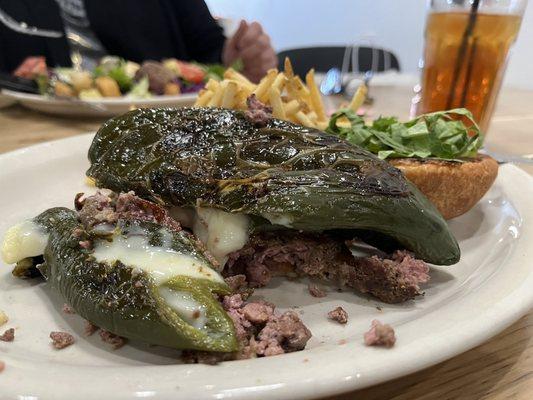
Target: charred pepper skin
317 181
124 300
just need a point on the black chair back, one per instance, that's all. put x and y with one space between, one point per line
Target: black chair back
324 58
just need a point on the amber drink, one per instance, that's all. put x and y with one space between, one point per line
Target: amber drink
464 61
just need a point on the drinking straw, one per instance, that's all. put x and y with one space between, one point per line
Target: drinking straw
461 54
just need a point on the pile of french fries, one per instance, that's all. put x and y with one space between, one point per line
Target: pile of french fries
290 98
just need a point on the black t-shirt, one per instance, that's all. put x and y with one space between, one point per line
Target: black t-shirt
133 29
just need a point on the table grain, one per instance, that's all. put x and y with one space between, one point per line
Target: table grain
502 368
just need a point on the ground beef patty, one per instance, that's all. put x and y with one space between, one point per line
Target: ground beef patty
393 279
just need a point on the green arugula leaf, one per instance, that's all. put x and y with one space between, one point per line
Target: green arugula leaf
434 135
124 81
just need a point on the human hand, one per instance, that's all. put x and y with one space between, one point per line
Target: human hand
252 45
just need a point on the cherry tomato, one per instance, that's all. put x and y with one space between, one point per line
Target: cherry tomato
190 72
31 67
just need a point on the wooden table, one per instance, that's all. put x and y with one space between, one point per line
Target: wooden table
499 369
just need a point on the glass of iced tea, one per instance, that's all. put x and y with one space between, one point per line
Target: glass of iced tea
466 52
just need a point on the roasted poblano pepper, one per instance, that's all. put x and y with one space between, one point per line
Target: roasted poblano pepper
125 299
283 175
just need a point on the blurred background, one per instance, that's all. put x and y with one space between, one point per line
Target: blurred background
394 25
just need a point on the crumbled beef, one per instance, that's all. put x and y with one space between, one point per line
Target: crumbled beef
85 244
68 309
106 207
239 284
77 232
114 340
2 366
338 314
260 332
129 206
232 301
90 328
78 201
258 313
258 113
205 357
380 335
60 340
283 334
8 335
392 280
315 290
98 208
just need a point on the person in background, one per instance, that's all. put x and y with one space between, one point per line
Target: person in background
136 30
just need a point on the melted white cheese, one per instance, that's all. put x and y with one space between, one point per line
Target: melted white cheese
221 232
279 219
162 263
184 304
23 240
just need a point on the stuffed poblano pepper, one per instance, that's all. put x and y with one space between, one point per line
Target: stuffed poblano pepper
128 269
280 175
126 266
268 197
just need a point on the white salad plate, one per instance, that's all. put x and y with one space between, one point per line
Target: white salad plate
106 107
464 305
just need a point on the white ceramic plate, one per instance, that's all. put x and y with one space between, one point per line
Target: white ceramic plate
464 305
107 107
5 101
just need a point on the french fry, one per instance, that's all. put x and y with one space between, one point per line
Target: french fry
280 81
358 97
290 98
261 91
289 73
228 97
212 85
304 119
322 125
230 73
217 95
316 100
304 106
246 90
291 107
203 98
296 89
240 99
274 97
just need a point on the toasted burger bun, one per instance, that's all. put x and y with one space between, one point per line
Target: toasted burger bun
453 187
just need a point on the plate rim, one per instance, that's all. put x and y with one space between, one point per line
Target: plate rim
488 325
111 101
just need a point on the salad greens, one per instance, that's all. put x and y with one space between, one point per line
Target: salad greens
116 68
140 90
216 71
437 135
